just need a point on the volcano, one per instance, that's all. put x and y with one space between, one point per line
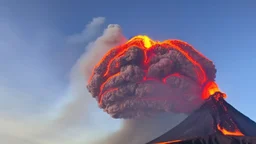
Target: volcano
215 122
144 77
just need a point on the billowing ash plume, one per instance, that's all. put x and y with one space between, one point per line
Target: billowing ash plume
142 78
133 81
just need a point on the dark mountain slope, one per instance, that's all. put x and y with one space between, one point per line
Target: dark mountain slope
214 118
217 138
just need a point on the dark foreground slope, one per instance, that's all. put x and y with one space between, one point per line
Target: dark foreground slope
216 139
214 118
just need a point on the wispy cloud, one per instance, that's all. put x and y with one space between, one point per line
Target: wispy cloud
90 31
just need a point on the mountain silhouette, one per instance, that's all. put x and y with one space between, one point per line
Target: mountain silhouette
216 121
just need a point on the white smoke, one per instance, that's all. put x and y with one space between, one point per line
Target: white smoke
81 71
111 37
75 110
89 32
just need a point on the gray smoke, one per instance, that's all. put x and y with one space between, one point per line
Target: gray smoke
74 111
111 37
89 32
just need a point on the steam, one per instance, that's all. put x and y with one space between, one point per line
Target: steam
90 31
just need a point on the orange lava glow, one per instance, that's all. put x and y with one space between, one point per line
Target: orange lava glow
226 132
209 89
145 43
169 142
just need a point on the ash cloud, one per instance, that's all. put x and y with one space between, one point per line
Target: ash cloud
171 80
119 86
140 130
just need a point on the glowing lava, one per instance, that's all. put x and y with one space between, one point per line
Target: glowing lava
169 142
209 89
147 42
226 132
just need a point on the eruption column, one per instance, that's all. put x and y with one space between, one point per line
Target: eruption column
144 77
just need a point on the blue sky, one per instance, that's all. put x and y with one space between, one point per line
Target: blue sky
36 58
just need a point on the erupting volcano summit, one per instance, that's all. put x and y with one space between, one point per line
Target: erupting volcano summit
143 77
215 122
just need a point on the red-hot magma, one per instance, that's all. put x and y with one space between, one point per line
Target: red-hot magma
143 77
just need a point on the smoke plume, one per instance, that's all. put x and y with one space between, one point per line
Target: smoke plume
146 81
133 80
140 130
75 110
89 32
111 37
